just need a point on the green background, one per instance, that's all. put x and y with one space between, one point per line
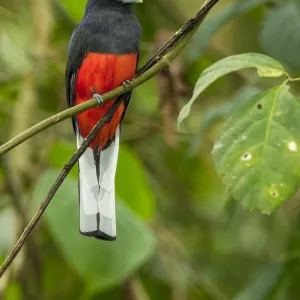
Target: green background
180 236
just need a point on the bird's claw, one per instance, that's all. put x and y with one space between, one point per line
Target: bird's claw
126 83
99 99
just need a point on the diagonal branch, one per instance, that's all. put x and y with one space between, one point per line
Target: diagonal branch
63 174
157 63
160 60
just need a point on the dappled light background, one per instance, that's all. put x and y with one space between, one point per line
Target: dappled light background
180 235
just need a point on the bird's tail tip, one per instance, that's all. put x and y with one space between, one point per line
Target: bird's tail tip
97 226
99 235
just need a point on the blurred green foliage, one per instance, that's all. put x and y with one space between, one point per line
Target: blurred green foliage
180 236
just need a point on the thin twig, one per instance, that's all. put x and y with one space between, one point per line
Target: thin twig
159 61
63 174
172 49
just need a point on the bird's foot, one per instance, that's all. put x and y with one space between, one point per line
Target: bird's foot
126 83
99 99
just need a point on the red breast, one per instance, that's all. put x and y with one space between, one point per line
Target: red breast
100 73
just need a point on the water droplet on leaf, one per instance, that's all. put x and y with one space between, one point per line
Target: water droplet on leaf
292 146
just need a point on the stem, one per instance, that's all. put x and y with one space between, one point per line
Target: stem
293 79
169 51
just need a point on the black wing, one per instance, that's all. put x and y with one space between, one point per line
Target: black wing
76 54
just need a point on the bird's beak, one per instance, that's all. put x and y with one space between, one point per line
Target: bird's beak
131 1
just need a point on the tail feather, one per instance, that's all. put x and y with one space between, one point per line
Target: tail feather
97 200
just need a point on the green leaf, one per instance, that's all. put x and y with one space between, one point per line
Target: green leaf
102 264
262 287
280 34
131 184
257 154
266 67
211 25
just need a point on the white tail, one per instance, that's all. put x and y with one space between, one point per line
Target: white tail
97 200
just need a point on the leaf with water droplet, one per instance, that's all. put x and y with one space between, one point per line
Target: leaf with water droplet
259 160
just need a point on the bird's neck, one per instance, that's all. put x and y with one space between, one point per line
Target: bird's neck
98 5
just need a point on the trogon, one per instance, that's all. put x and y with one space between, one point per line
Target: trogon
103 54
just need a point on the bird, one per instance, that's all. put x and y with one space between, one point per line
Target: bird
103 54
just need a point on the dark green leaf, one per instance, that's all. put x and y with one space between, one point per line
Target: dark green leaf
257 154
101 264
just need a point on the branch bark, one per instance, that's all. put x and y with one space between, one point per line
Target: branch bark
159 61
